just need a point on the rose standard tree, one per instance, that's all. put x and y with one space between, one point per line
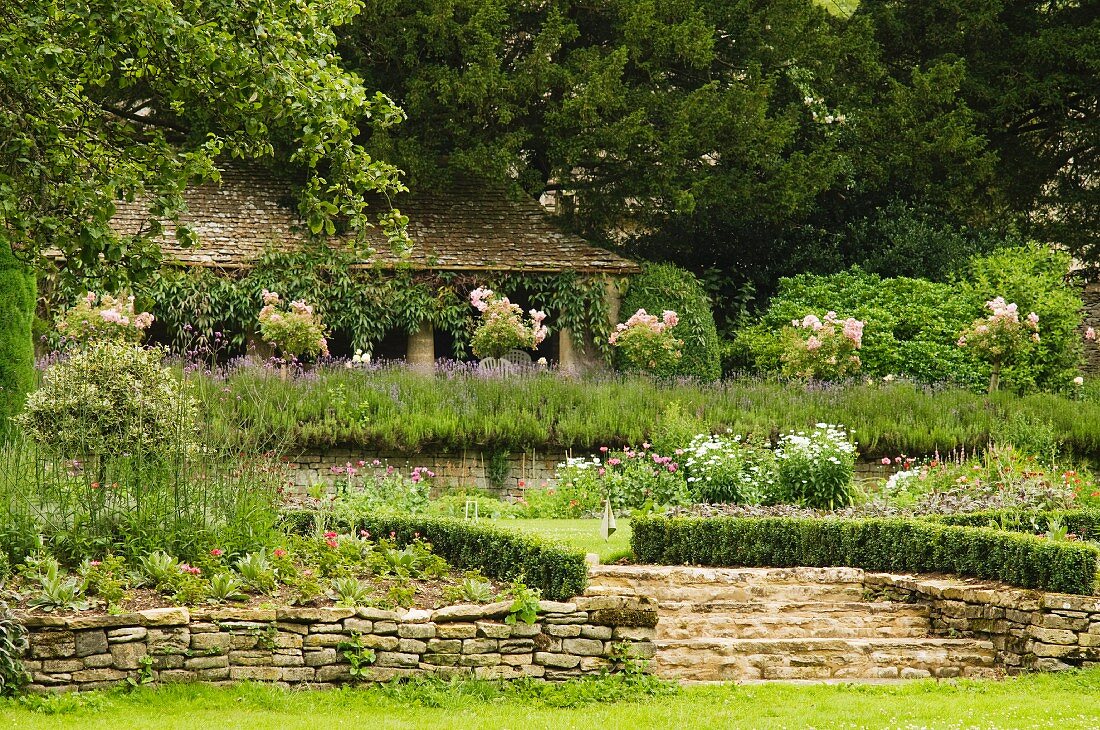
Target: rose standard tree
128 99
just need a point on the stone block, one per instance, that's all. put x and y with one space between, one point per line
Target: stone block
98 661
416 631
517 660
213 675
328 628
206 662
250 658
99 675
1052 636
381 643
1067 623
479 660
320 640
445 646
396 659
313 615
517 646
412 646
596 632
59 666
567 631
52 645
127 634
556 607
440 660
521 630
333 673
582 647
633 633
376 614
456 631
297 674
480 646
556 661
358 625
90 642
287 658
165 616
320 658
211 642
385 628
128 655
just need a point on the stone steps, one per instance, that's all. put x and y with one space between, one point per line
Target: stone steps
826 620
799 624
718 659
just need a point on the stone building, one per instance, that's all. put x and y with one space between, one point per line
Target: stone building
470 228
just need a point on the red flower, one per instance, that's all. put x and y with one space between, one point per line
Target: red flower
330 535
330 542
216 553
280 553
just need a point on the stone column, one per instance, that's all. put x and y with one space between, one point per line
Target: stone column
421 348
568 357
613 295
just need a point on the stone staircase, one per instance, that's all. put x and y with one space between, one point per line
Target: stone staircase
752 624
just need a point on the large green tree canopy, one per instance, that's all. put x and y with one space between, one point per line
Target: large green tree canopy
102 100
735 136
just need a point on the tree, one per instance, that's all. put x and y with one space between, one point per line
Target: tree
103 100
1031 76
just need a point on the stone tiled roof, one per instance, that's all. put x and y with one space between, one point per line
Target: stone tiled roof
470 226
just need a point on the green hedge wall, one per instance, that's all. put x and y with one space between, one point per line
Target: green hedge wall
559 572
896 545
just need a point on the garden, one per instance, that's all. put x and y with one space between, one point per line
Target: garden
558 364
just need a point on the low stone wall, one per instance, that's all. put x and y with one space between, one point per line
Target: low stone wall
309 645
469 468
1031 630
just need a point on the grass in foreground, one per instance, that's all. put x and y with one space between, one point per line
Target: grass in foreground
581 534
1061 701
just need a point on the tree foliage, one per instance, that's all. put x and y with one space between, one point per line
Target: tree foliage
122 99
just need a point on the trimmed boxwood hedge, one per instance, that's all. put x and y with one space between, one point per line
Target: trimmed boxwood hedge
558 571
895 545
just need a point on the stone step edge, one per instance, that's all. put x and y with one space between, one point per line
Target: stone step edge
814 608
664 573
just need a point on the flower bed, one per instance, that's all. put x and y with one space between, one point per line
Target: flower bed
904 545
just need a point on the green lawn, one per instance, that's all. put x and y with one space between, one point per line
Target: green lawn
1038 701
581 534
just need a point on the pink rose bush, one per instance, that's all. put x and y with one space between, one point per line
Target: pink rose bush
822 349
294 329
646 342
102 317
1001 336
503 326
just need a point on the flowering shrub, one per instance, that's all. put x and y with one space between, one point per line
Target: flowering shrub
722 469
1001 336
109 400
295 330
646 342
502 326
102 317
822 349
816 469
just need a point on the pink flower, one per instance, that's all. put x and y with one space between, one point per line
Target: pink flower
280 553
603 449
602 471
670 318
95 563
364 533
886 461
1090 334
216 552
614 461
672 468
1033 319
813 343
330 542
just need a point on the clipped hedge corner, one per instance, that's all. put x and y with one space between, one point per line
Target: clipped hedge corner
891 545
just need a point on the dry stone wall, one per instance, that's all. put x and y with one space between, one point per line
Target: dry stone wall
1031 630
310 645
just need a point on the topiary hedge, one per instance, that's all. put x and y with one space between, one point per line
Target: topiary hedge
664 286
559 572
895 545
17 298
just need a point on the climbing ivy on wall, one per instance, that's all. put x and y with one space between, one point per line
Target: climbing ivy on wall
363 303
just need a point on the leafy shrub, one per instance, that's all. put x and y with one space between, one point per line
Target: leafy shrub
378 487
665 287
722 469
822 349
1002 337
913 325
895 545
557 571
13 644
1083 523
815 469
109 400
630 479
1035 278
502 327
96 318
295 330
645 341
17 301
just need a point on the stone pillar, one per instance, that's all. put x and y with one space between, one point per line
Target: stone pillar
613 295
421 348
568 357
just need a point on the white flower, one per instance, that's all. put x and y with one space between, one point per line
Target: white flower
1078 380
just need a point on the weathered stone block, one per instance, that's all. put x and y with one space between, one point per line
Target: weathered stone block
382 643
320 658
206 662
556 607
416 631
385 628
396 659
596 632
90 642
479 660
517 646
165 616
99 675
582 647
256 674
412 646
52 645
358 625
480 646
297 674
456 631
445 646
440 660
126 634
127 656
633 633
57 666
211 642
97 661
570 630
333 673
250 658
556 661
313 615
1052 636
